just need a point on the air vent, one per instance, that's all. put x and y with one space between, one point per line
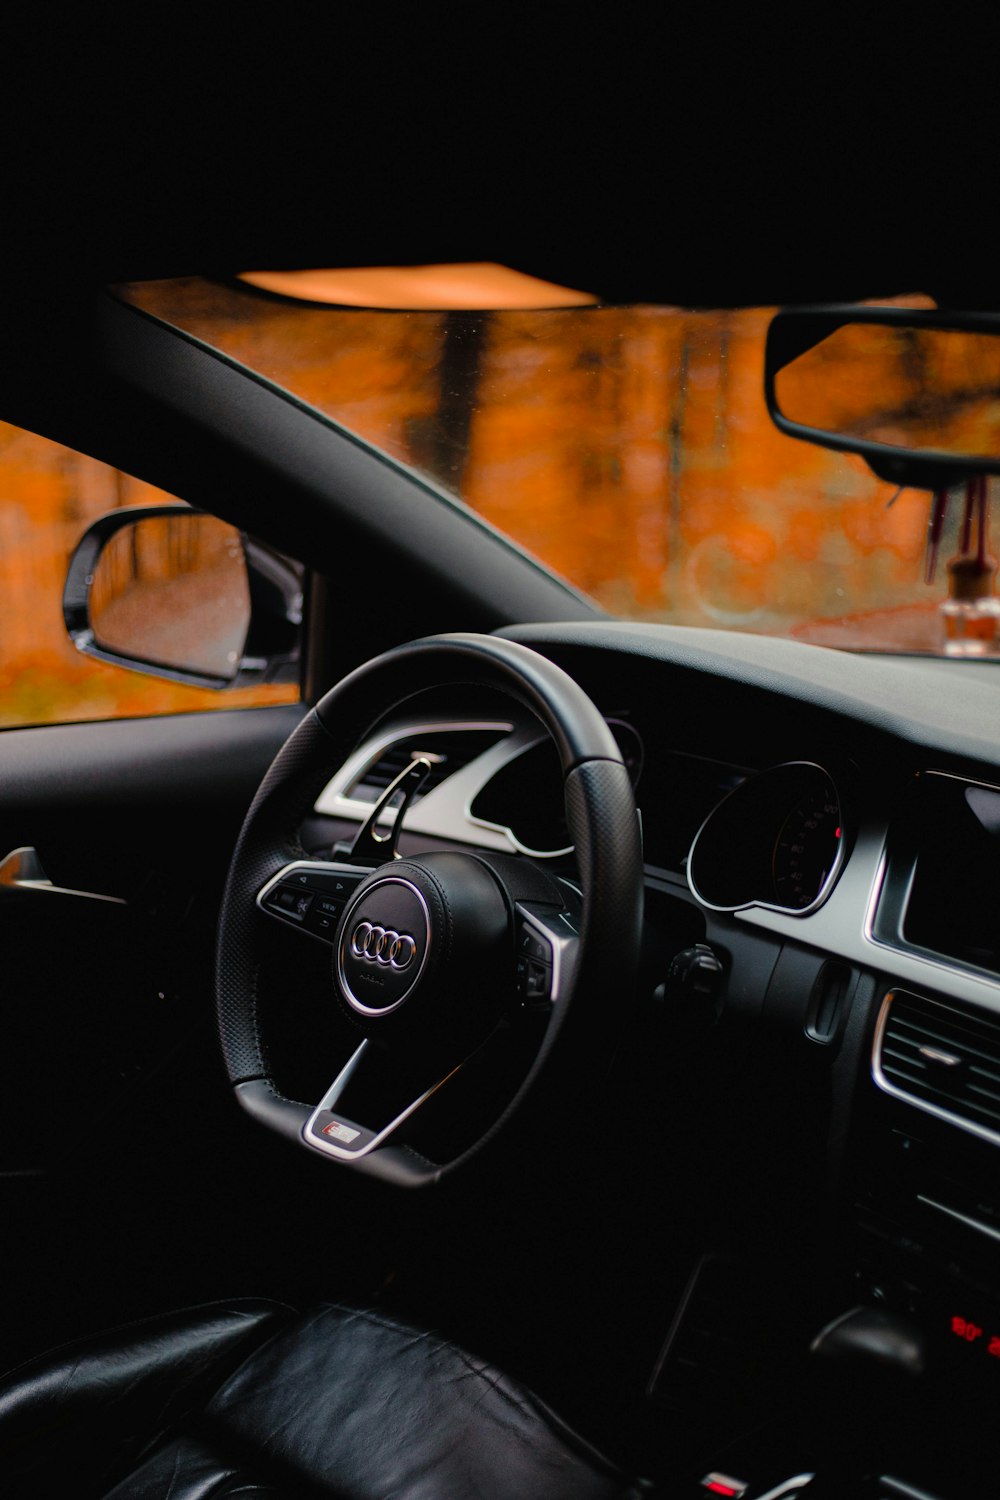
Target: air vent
945 1060
448 750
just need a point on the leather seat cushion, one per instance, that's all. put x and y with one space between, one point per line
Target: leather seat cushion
249 1398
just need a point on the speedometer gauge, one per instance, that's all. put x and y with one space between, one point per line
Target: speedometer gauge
807 846
776 841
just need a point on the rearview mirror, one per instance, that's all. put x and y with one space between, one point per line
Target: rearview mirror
917 394
179 594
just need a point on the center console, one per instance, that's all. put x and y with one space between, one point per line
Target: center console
899 1396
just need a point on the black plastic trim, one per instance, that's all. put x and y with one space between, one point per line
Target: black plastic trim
181 759
342 493
793 331
931 704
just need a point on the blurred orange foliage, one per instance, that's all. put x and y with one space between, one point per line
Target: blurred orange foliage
628 448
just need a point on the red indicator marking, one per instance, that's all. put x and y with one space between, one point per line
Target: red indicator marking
964 1329
721 1489
836 833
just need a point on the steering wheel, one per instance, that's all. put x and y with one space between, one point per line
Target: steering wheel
428 955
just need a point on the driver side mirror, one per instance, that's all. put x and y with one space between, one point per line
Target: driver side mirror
177 593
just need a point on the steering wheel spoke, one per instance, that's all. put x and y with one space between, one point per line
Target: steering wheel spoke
311 895
370 1098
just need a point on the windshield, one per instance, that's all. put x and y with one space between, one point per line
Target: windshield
627 448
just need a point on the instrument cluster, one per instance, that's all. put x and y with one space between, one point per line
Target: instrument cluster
777 841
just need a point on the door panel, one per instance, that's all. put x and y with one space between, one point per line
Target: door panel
115 1121
98 990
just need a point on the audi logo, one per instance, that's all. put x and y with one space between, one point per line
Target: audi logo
383 946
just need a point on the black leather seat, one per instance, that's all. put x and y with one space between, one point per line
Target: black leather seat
250 1398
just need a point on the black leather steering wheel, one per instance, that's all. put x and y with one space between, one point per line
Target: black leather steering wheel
428 954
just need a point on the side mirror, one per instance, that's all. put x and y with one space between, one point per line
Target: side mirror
916 394
177 593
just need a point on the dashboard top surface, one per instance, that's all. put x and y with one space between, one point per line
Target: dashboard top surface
947 707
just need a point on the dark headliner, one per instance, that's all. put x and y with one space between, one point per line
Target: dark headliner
695 168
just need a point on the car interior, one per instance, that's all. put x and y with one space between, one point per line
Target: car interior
536 1051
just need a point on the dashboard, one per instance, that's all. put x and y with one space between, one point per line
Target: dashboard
825 828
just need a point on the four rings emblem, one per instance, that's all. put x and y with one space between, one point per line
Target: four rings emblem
382 945
379 963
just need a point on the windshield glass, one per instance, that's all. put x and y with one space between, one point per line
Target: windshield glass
628 448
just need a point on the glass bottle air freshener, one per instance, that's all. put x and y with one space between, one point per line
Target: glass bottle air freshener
971 612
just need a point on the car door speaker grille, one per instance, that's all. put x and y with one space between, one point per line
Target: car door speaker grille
944 1059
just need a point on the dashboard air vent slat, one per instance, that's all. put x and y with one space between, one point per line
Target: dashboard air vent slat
922 1034
447 750
923 1087
941 1058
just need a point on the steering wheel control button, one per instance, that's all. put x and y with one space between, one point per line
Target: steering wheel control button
339 887
538 981
547 942
533 965
531 945
291 901
325 917
383 946
313 896
533 980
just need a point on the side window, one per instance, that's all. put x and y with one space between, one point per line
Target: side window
49 496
